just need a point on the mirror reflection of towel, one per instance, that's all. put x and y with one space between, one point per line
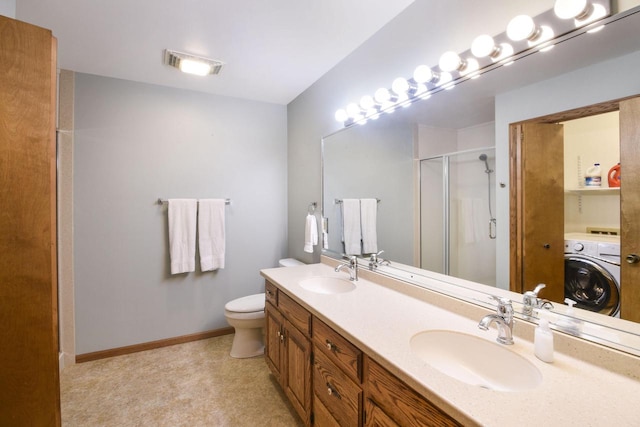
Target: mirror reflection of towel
351 232
368 217
310 233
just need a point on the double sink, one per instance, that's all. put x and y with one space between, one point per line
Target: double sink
464 357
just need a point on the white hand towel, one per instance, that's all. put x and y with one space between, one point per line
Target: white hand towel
211 236
182 235
351 231
368 219
310 233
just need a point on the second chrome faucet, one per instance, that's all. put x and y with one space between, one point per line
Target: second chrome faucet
503 319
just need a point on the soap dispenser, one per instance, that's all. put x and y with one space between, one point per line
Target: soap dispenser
543 340
568 323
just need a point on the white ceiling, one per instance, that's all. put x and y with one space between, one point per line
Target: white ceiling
273 49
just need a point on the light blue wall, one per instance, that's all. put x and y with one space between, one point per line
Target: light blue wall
8 8
598 83
135 143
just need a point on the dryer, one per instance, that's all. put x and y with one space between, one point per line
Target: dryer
592 272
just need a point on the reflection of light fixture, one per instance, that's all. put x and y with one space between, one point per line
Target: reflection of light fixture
192 64
522 27
485 45
341 115
424 74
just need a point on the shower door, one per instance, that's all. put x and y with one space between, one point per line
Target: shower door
457 207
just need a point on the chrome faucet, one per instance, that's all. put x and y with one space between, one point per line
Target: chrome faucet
352 265
503 318
531 301
375 261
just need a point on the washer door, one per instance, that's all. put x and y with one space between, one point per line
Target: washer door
590 285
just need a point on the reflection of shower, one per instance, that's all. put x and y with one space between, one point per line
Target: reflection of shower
492 220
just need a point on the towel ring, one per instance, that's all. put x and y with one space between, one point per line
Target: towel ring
312 208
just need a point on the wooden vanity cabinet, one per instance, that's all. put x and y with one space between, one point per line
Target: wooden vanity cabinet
391 402
336 384
288 350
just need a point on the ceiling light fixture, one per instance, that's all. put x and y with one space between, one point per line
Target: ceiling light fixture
192 64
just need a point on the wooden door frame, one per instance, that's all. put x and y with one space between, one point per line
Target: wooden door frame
516 231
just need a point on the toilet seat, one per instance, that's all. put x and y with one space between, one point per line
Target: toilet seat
249 304
253 315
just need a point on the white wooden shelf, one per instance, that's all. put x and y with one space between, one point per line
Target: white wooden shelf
593 190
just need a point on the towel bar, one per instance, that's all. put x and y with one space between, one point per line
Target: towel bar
161 201
339 201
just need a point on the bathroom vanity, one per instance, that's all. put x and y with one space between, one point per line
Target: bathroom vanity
351 354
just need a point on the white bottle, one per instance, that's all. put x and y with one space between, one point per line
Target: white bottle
543 341
569 323
593 177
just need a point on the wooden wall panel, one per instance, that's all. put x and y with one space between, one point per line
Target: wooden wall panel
29 391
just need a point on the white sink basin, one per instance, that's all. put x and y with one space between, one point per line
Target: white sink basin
475 360
327 285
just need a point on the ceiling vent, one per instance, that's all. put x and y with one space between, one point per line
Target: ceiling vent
192 64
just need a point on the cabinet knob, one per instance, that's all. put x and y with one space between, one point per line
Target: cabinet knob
633 259
331 346
332 391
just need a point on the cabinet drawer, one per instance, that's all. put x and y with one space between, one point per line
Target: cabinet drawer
341 352
339 394
321 415
271 293
400 402
295 313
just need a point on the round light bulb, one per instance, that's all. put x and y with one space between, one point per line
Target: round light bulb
342 115
471 67
444 79
568 9
520 28
382 96
483 46
423 74
506 50
450 61
546 34
367 102
597 12
353 110
400 86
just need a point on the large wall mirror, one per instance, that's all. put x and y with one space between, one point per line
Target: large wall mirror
443 174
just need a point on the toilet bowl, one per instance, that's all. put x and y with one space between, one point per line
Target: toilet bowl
246 315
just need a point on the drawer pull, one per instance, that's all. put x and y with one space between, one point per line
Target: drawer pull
269 293
331 346
332 391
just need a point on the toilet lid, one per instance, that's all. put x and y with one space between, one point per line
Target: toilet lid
246 304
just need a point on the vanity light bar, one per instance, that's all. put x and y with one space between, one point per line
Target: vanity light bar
524 35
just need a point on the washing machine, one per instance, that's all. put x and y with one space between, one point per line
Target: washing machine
592 272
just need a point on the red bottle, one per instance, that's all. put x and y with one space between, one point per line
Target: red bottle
614 176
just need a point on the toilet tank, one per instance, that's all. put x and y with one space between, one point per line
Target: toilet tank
289 262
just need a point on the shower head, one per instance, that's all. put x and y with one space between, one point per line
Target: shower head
483 157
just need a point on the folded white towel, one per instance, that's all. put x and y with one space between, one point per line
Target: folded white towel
368 219
310 233
211 236
351 231
182 234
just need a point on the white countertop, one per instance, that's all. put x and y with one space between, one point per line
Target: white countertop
381 322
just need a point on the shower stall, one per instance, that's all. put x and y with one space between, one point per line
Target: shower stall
457 206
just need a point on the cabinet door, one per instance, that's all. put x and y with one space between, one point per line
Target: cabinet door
274 340
630 208
297 370
375 417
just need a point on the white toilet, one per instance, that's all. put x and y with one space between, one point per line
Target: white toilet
246 315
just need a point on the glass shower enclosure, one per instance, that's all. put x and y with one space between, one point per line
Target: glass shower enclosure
457 208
